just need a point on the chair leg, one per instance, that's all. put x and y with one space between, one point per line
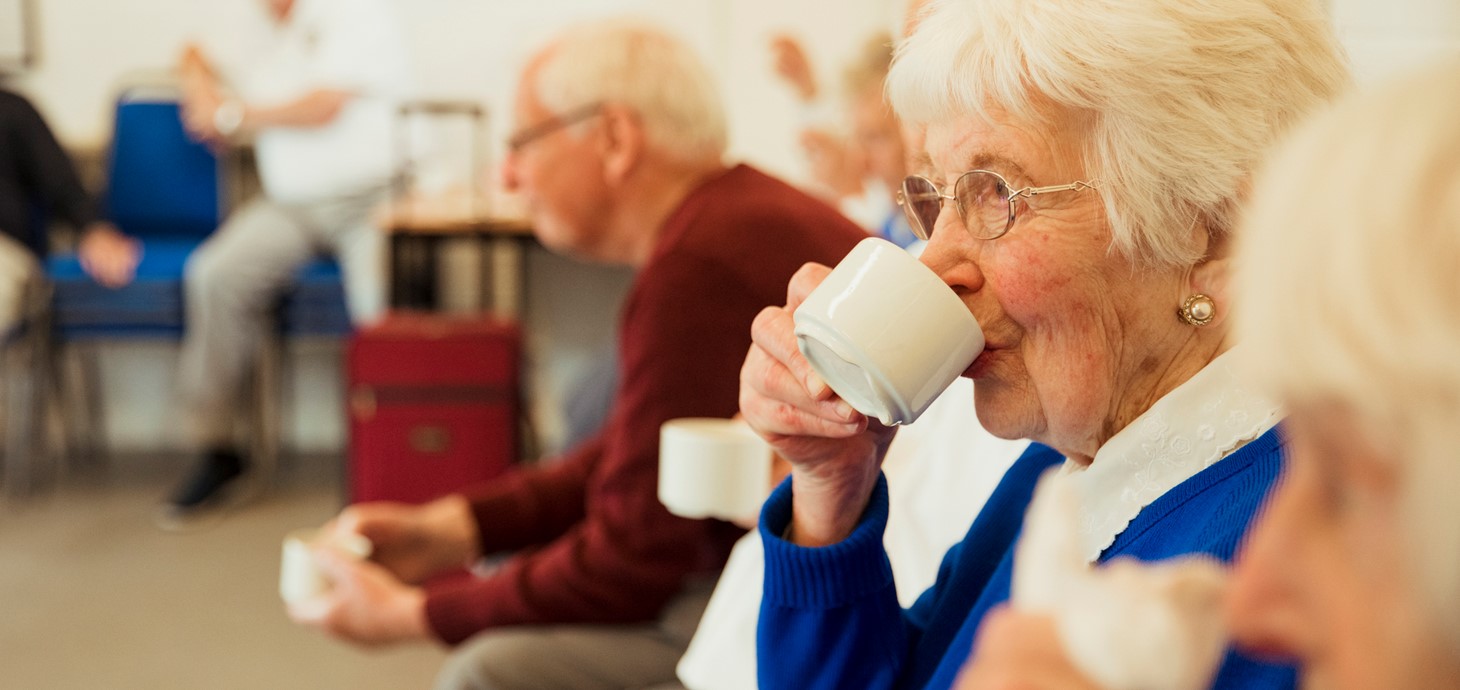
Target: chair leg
27 455
92 432
17 382
266 425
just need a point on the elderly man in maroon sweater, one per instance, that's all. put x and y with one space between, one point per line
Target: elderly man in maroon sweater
619 156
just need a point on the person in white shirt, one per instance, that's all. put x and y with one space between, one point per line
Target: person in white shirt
318 102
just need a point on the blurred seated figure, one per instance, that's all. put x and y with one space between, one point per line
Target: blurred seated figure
1354 568
37 185
861 170
318 102
618 153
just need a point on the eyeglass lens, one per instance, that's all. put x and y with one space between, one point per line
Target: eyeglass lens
982 199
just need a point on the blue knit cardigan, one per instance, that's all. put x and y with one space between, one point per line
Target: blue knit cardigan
830 617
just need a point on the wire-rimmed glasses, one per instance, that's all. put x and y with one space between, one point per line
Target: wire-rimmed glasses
532 133
984 199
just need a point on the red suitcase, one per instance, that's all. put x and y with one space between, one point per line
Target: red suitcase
433 405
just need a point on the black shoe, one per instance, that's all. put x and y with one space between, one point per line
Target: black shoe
207 488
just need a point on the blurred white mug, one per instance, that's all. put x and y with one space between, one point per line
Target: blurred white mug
300 579
715 468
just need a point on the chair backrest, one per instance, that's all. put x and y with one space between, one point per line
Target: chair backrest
160 182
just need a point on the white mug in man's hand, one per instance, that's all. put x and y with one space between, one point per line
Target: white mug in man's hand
300 579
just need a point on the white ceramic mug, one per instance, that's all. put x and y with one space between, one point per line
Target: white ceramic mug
713 468
886 333
300 579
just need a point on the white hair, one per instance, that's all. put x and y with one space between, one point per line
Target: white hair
1181 97
1349 284
644 68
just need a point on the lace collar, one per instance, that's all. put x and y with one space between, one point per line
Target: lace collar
1188 430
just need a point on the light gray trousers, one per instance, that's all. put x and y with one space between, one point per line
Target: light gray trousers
586 657
18 274
237 276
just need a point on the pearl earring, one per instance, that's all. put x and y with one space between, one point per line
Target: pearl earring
1198 310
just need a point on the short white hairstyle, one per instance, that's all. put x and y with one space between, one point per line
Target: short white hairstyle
1348 284
1182 97
644 68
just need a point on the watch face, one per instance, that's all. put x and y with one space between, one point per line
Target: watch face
227 117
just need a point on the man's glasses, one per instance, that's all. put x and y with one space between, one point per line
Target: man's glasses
984 199
532 133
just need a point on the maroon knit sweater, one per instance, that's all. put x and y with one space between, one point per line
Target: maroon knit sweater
594 543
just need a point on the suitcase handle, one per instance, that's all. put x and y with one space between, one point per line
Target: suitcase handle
362 402
429 439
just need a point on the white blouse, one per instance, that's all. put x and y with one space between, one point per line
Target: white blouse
1188 430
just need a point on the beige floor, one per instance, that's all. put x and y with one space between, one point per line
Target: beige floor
93 596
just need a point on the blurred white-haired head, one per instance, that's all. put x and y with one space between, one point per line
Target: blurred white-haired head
1348 283
643 68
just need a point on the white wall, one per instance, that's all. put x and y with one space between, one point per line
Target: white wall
462 48
1385 37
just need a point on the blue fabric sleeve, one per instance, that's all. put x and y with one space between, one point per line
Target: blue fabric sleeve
1239 672
830 616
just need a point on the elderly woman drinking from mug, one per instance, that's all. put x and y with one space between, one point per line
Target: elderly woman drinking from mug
1085 162
1353 300
1350 280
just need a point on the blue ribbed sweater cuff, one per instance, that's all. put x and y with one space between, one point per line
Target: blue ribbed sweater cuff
824 577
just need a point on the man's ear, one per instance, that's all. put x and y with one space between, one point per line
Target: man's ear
622 143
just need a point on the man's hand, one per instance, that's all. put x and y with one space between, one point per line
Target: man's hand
1020 651
109 256
367 605
413 543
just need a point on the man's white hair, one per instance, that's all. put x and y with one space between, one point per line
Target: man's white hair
1349 286
644 68
1181 97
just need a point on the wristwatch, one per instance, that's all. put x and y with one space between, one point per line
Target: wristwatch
227 117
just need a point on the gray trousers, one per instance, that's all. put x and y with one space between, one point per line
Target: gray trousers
19 272
237 276
587 657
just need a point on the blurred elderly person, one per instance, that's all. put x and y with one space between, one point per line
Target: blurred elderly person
1354 568
1093 155
862 168
619 155
317 100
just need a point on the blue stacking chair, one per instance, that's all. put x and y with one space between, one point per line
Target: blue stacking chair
163 189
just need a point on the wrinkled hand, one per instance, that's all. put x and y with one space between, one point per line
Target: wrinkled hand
835 452
793 66
109 256
1020 651
836 163
410 542
367 605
